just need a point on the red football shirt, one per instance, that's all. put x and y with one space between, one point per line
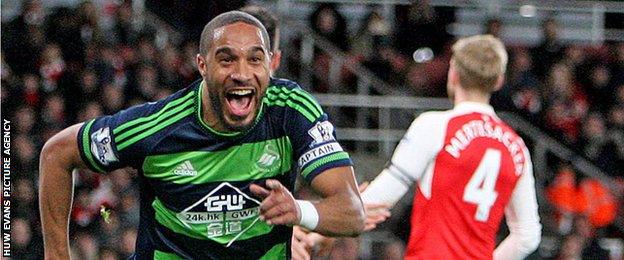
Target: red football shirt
471 169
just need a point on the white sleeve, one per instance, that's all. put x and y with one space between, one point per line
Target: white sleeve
411 158
522 217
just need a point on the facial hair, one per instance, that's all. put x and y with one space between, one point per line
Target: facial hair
218 108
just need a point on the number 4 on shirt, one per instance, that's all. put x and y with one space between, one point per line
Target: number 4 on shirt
480 188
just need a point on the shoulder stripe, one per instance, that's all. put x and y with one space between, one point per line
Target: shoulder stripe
305 105
86 146
139 120
153 122
170 119
290 103
272 97
301 95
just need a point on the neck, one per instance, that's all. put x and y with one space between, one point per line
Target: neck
462 95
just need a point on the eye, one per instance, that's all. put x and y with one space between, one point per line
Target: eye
226 60
255 59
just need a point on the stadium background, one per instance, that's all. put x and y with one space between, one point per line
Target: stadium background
373 65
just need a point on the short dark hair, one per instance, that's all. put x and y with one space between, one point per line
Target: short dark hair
267 19
228 18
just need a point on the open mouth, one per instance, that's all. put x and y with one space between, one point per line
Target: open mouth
240 101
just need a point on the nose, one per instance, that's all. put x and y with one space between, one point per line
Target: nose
242 74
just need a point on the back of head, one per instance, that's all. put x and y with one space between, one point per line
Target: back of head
228 18
480 61
267 19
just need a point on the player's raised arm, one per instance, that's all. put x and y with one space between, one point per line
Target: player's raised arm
59 157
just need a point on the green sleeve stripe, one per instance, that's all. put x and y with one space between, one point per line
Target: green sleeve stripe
276 252
327 159
171 120
153 122
86 147
300 96
292 104
160 255
169 105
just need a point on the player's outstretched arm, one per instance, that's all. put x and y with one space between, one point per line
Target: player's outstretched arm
339 213
58 158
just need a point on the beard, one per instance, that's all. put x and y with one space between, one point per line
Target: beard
219 110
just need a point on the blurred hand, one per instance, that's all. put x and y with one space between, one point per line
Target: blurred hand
278 205
300 246
375 213
315 244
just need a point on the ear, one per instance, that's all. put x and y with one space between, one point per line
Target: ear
275 60
499 82
453 75
201 65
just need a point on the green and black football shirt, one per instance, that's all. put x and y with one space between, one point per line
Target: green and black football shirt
195 198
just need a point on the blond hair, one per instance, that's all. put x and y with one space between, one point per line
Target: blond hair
480 60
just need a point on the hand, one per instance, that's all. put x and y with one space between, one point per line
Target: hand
315 244
375 213
278 205
300 246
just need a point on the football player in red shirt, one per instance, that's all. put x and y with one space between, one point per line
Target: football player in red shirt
470 168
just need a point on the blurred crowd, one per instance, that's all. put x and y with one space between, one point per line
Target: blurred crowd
62 66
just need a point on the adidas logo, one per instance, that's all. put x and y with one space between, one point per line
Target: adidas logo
185 169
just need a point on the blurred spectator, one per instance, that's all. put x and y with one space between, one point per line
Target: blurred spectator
53 112
107 253
582 243
84 246
113 99
598 144
22 243
330 24
550 49
26 154
568 104
419 25
25 120
373 32
52 66
393 250
494 26
573 196
524 87
127 242
599 89
25 198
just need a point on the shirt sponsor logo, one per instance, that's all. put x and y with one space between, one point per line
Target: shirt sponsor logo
318 152
224 211
185 169
322 132
101 146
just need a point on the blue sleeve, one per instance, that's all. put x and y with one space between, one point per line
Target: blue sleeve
107 143
313 139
